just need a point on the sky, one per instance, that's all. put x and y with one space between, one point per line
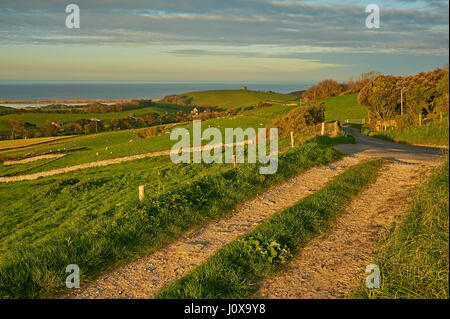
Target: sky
219 40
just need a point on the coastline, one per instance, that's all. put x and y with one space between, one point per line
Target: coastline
83 101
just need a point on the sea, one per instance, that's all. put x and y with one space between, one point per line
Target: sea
124 90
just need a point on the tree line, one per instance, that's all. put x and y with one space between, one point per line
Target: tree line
329 87
404 98
89 108
19 129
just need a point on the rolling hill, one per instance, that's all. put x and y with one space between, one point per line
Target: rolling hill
235 98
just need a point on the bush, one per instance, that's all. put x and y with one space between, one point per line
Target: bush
150 132
177 99
300 119
322 90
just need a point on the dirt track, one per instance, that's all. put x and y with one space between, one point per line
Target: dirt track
142 279
372 147
328 267
331 265
118 160
32 159
68 169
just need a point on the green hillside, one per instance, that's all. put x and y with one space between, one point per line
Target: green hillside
6 110
234 98
340 108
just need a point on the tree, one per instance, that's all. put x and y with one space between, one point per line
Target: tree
15 126
50 129
442 94
323 89
28 130
355 86
381 96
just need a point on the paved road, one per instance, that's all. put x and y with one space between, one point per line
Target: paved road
373 147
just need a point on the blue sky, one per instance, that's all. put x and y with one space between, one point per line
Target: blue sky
219 40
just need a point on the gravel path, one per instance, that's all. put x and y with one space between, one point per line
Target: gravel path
372 147
326 267
145 277
334 263
32 159
68 169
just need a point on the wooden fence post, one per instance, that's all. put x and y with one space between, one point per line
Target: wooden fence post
234 160
322 132
420 119
401 102
292 139
440 118
141 193
336 128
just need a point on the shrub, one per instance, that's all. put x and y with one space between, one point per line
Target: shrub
300 119
323 89
150 132
177 99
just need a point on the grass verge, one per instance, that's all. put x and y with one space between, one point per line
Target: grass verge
38 269
432 133
414 259
234 271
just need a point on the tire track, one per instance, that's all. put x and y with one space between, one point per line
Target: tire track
334 263
145 277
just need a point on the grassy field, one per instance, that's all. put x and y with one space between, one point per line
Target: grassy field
39 119
10 144
116 144
340 108
414 260
235 98
93 218
222 99
122 143
234 271
431 133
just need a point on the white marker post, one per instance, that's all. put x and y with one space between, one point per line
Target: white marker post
292 139
141 193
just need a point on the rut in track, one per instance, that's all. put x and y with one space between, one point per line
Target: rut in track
145 277
334 263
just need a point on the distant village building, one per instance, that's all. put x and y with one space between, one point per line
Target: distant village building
194 111
96 120
58 124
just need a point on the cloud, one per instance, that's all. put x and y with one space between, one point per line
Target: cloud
422 28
